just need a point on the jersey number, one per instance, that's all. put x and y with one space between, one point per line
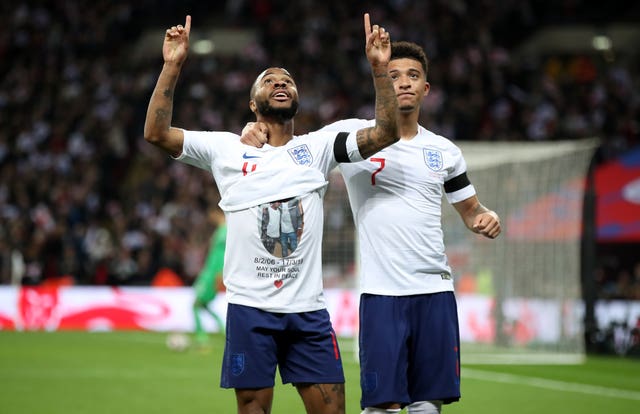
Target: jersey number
245 169
373 176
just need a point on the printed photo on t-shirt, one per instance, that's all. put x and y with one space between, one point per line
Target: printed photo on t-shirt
281 224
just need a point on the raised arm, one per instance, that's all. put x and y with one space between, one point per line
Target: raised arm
385 131
157 126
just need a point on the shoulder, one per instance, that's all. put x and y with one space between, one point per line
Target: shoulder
207 141
438 141
313 137
210 134
348 125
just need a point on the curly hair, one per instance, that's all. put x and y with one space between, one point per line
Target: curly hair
410 50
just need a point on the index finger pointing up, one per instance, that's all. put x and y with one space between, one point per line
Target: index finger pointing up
187 24
367 25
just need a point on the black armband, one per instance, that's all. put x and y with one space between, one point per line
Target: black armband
457 183
340 147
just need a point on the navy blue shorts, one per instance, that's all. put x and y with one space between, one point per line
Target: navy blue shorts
409 349
302 345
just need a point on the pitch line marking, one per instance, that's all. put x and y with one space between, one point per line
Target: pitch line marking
550 384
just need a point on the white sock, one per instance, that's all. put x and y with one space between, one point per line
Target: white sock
373 410
424 407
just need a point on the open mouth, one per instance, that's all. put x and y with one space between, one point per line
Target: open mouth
281 96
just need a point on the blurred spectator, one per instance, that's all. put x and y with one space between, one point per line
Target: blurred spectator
80 195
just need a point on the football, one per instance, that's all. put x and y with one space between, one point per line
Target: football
178 341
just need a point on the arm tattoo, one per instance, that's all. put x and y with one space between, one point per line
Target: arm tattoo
162 115
157 124
385 132
370 140
365 141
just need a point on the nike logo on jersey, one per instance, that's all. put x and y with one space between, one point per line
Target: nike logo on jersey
246 157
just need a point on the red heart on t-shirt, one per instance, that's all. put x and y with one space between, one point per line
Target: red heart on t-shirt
277 283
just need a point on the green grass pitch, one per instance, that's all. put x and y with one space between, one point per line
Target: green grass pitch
134 372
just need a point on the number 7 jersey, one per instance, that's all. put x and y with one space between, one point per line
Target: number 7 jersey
396 200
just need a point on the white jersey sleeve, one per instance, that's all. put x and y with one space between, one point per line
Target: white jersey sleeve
456 184
349 125
215 152
200 148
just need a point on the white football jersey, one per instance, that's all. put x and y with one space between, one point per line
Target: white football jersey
396 200
250 180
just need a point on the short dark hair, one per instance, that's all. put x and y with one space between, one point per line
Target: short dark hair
410 50
254 86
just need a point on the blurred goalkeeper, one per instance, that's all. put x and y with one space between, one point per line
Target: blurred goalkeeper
209 279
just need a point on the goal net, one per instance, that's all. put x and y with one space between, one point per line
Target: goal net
520 295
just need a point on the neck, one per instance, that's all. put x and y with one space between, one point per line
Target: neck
280 132
408 124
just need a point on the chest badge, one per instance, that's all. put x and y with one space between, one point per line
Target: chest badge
433 159
301 155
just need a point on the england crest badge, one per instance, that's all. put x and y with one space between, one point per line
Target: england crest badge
237 364
301 155
433 159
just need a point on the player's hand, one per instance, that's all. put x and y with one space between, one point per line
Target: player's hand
255 134
176 43
378 43
487 224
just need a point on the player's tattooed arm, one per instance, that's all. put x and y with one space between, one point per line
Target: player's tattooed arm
385 131
157 126
164 109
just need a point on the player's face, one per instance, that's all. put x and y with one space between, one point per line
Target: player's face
276 94
409 83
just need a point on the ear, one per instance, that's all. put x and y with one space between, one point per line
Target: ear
252 106
427 88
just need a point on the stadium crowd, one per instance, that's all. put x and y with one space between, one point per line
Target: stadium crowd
82 195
